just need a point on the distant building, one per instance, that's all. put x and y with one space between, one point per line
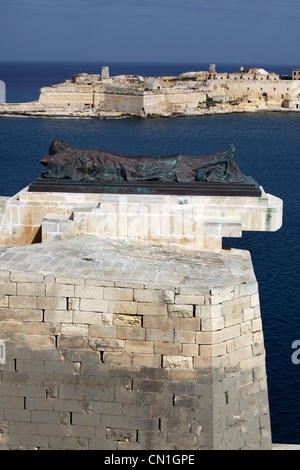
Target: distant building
152 84
2 92
296 74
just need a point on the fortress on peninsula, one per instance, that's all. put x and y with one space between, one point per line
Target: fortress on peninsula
189 94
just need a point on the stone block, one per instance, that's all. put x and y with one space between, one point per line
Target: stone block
57 316
212 324
146 360
26 315
190 349
8 288
220 298
231 332
212 350
5 276
243 341
22 302
89 292
254 300
68 329
167 349
68 280
73 303
188 324
120 306
181 299
129 332
154 334
234 318
209 337
162 323
122 435
118 293
59 290
184 336
40 341
151 308
127 320
89 317
102 331
25 288
184 311
208 311
139 347
180 362
33 328
26 277
147 295
3 301
52 303
93 305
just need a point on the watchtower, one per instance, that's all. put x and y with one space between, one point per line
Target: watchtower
2 92
105 73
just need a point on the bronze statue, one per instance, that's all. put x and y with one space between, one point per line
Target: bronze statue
98 171
64 162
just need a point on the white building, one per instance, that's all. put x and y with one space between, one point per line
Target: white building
2 92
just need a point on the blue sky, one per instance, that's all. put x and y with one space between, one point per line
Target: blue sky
213 31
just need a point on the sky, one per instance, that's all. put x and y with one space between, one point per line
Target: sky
212 31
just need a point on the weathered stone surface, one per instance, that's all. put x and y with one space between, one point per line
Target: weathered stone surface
99 355
197 222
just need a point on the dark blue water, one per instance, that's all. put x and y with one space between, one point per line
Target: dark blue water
268 148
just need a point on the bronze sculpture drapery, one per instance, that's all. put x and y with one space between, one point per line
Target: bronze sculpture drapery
97 165
69 169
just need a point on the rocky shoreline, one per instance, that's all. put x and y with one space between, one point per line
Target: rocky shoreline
19 110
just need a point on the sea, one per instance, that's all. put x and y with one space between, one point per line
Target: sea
267 148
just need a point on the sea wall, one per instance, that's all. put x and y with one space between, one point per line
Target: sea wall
109 358
68 96
180 98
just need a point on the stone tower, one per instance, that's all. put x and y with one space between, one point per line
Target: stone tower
2 92
212 69
105 73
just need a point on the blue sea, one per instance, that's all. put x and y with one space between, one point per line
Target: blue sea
268 149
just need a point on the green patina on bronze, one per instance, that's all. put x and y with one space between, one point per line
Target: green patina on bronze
93 170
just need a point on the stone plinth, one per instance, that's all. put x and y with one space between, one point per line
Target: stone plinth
196 222
126 345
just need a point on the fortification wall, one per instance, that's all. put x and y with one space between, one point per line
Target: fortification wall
123 102
178 97
276 90
109 358
67 97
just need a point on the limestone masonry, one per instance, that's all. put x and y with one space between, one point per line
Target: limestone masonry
190 94
125 325
127 346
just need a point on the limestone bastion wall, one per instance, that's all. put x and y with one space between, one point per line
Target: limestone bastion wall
179 98
88 97
94 364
